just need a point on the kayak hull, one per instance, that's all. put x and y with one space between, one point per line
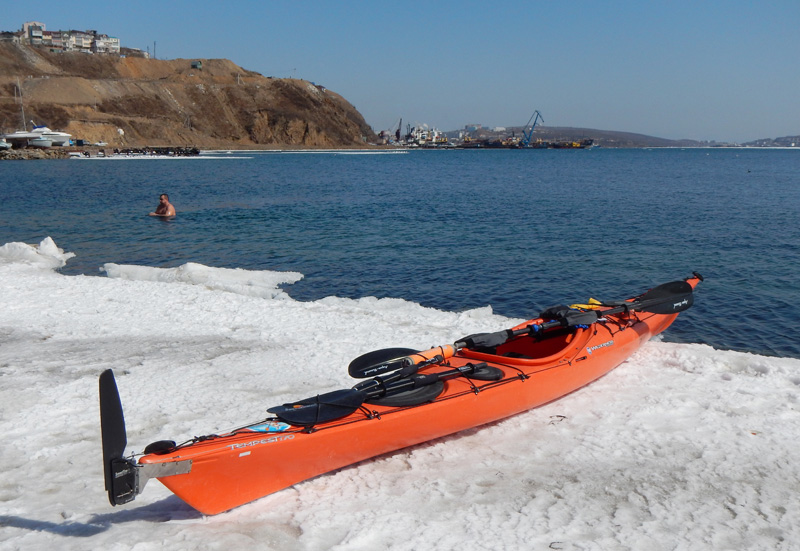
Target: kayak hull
233 469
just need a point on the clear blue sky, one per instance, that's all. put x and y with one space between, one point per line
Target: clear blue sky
713 70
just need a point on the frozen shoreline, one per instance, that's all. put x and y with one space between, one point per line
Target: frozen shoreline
667 451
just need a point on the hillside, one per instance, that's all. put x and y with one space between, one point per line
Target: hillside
167 102
605 138
609 138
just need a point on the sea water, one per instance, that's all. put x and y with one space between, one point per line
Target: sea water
516 230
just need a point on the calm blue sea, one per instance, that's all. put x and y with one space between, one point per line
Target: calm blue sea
454 230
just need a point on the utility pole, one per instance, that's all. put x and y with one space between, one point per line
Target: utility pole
22 107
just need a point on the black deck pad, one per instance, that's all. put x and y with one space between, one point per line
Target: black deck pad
321 408
413 397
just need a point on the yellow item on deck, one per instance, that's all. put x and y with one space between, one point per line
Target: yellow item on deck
592 304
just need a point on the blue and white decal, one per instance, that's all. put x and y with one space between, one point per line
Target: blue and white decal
270 426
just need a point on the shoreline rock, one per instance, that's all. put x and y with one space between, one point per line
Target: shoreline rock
32 154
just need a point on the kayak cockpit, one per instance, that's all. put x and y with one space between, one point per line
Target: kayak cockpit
537 349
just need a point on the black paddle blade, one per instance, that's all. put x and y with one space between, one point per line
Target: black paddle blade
669 298
374 363
321 408
112 427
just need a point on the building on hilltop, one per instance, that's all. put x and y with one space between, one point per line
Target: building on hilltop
104 44
35 33
14 37
80 40
32 32
56 39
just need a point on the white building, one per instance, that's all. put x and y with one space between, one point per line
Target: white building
35 32
80 40
104 44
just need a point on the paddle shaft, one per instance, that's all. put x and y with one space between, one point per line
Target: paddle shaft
382 386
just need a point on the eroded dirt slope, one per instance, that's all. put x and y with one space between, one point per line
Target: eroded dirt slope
167 102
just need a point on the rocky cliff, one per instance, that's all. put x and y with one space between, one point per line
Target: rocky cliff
133 101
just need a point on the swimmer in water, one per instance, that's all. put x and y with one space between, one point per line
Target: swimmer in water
164 207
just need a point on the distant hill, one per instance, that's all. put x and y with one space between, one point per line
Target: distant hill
210 103
604 138
610 138
784 141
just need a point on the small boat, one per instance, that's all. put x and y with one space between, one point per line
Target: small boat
40 133
404 397
4 144
57 137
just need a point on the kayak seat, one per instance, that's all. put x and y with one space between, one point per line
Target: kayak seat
413 397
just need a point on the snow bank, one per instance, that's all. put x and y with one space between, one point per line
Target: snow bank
262 284
681 447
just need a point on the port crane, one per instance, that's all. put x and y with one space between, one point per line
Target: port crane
526 136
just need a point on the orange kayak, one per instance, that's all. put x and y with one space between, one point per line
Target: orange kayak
405 398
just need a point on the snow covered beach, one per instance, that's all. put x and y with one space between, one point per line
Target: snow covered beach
682 447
